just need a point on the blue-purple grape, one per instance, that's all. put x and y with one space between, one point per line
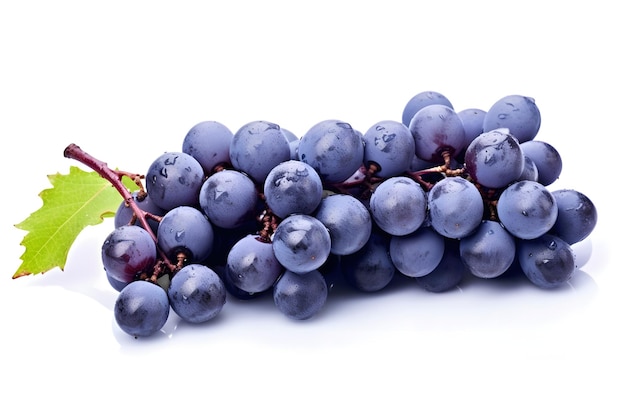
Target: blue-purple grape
141 309
252 266
348 221
517 113
418 253
301 243
185 230
456 207
494 159
489 251
390 145
228 198
527 209
300 296
529 172
174 179
398 205
546 158
292 187
209 143
472 123
257 147
421 100
196 293
333 148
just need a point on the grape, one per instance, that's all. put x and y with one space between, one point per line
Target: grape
398 205
421 100
252 266
301 243
196 293
209 143
125 215
300 296
390 145
547 261
174 179
292 187
228 198
115 283
348 221
527 209
333 148
257 147
448 274
141 309
494 159
435 129
489 251
546 158
577 216
127 252
472 123
438 197
417 254
369 269
185 230
517 113
294 141
456 207
291 137
529 172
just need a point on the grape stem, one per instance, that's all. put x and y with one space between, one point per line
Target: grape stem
114 177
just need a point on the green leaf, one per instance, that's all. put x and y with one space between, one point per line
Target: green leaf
76 200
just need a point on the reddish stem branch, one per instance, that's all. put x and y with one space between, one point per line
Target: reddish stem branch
114 177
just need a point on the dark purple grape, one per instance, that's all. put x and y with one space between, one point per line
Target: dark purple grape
369 269
437 129
547 261
494 159
577 216
127 252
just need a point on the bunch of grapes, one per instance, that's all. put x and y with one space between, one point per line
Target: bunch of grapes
434 197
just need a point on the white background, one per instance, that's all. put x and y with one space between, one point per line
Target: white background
126 80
